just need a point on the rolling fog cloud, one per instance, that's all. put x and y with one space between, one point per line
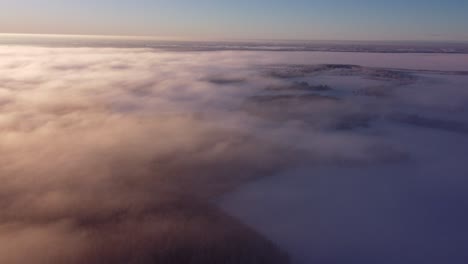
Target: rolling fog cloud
105 151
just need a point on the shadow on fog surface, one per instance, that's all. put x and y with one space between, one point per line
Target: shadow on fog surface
405 213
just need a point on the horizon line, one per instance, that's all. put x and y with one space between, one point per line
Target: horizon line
185 39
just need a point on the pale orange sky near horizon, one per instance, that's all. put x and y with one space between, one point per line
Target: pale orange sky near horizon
276 19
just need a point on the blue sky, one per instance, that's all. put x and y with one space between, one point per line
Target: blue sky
242 19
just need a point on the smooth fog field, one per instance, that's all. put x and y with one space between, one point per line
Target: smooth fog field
139 155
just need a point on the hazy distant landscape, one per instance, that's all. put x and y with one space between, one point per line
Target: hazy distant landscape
454 47
142 151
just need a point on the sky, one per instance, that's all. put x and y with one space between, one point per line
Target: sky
242 19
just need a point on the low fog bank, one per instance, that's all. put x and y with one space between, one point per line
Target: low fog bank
399 213
120 155
113 156
409 209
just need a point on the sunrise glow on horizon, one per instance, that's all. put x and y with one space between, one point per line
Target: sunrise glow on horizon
302 20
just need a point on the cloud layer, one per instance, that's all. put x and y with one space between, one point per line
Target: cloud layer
106 152
113 155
